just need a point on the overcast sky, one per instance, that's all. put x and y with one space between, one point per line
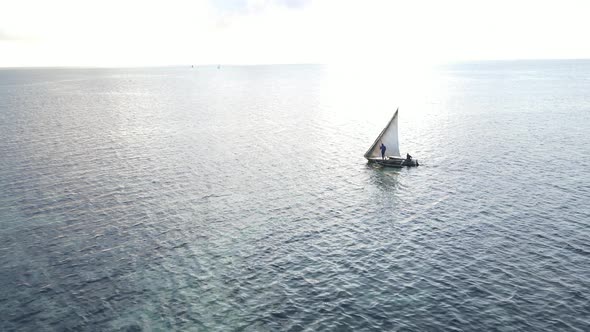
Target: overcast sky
170 32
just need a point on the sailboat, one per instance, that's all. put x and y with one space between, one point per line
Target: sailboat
389 143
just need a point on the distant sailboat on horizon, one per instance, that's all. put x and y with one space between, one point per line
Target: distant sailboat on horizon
385 149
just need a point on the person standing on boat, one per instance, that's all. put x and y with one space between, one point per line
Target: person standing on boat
383 148
408 156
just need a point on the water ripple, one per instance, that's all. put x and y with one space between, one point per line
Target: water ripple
238 199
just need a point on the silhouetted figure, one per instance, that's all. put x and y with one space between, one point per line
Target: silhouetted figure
383 148
408 157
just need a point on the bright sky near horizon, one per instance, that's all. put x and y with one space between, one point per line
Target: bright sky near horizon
171 32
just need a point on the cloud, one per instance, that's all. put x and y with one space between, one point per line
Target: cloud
297 4
6 36
245 7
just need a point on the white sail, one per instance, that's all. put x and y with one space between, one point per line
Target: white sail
389 138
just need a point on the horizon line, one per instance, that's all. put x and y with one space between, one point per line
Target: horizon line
449 62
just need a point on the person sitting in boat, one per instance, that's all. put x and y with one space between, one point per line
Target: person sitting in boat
408 157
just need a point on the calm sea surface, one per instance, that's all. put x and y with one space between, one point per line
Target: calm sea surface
237 199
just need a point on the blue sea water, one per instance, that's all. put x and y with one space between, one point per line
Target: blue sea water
237 199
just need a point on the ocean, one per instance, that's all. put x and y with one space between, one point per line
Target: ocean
238 198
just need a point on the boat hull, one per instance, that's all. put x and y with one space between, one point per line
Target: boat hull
395 162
